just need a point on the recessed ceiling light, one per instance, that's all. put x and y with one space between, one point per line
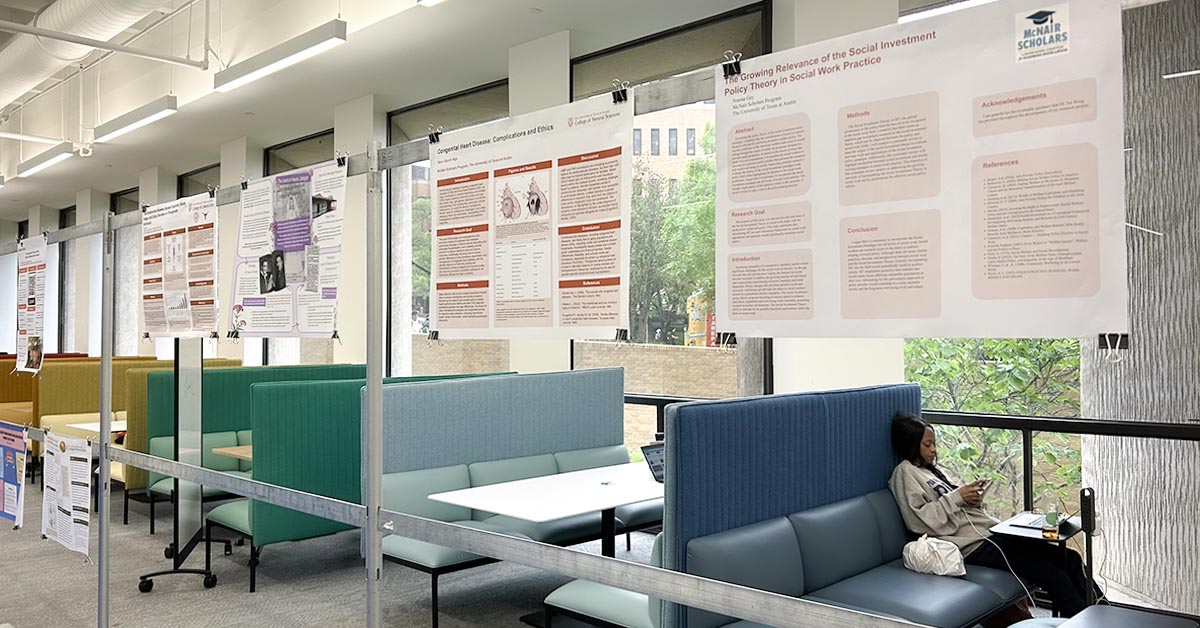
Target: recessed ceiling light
429 3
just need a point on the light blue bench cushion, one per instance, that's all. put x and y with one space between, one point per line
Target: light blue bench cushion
838 540
580 459
408 492
640 514
435 556
245 437
922 598
234 515
613 605
217 462
508 470
554 532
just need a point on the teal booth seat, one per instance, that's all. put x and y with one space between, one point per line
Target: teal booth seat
307 437
161 487
226 411
588 601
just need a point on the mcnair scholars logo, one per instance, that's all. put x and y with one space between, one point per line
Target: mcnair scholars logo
1043 33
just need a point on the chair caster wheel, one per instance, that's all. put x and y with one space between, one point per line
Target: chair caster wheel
210 581
169 552
145 586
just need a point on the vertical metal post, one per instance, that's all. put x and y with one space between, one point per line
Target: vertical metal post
1027 463
374 416
106 356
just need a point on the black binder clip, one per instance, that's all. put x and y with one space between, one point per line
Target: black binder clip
336 337
214 335
1114 341
727 341
212 192
145 335
732 65
245 183
433 337
622 335
341 160
233 334
145 206
620 91
435 135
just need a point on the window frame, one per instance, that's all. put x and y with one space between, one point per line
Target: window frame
180 178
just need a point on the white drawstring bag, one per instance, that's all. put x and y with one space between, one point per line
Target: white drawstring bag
934 556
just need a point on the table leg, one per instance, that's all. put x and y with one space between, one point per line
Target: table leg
608 532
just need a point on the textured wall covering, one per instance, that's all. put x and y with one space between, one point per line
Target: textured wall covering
1148 490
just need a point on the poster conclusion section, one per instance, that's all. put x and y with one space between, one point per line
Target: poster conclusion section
31 302
289 254
531 224
179 267
956 176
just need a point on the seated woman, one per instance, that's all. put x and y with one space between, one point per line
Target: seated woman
932 505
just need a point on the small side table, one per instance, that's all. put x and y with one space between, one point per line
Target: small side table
1066 530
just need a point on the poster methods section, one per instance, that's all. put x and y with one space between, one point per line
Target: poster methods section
67 491
31 303
179 267
956 176
12 474
531 225
289 254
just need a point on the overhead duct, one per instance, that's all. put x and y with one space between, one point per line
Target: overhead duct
29 60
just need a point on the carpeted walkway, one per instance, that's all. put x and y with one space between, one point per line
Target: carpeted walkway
319 582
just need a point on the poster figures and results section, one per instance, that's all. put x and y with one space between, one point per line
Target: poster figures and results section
179 267
31 302
12 473
289 254
67 491
531 224
955 176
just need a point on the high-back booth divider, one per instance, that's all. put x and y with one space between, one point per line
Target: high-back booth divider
438 424
741 461
307 437
227 393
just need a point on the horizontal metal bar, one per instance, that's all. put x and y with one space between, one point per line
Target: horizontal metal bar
725 598
318 505
657 400
1090 427
100 45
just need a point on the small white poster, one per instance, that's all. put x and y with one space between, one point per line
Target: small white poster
955 176
289 253
31 302
179 267
67 491
531 224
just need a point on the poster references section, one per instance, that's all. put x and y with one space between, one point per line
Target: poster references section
31 303
531 229
67 491
956 176
12 474
179 267
288 263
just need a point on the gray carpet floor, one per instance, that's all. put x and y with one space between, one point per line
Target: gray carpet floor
318 582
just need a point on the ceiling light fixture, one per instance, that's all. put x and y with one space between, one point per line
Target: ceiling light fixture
41 161
1 183
286 54
942 10
21 137
1175 75
138 118
429 3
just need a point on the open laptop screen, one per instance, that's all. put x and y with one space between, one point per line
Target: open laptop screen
656 457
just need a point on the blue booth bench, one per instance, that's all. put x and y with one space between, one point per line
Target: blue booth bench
788 493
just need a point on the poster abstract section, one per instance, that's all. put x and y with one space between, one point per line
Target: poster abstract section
289 254
956 176
179 267
530 224
67 491
31 303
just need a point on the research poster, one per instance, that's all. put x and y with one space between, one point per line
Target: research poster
956 176
12 474
31 302
67 491
179 267
530 225
289 254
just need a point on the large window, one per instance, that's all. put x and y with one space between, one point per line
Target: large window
673 349
199 181
410 207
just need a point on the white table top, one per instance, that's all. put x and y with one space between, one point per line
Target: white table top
117 426
551 497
